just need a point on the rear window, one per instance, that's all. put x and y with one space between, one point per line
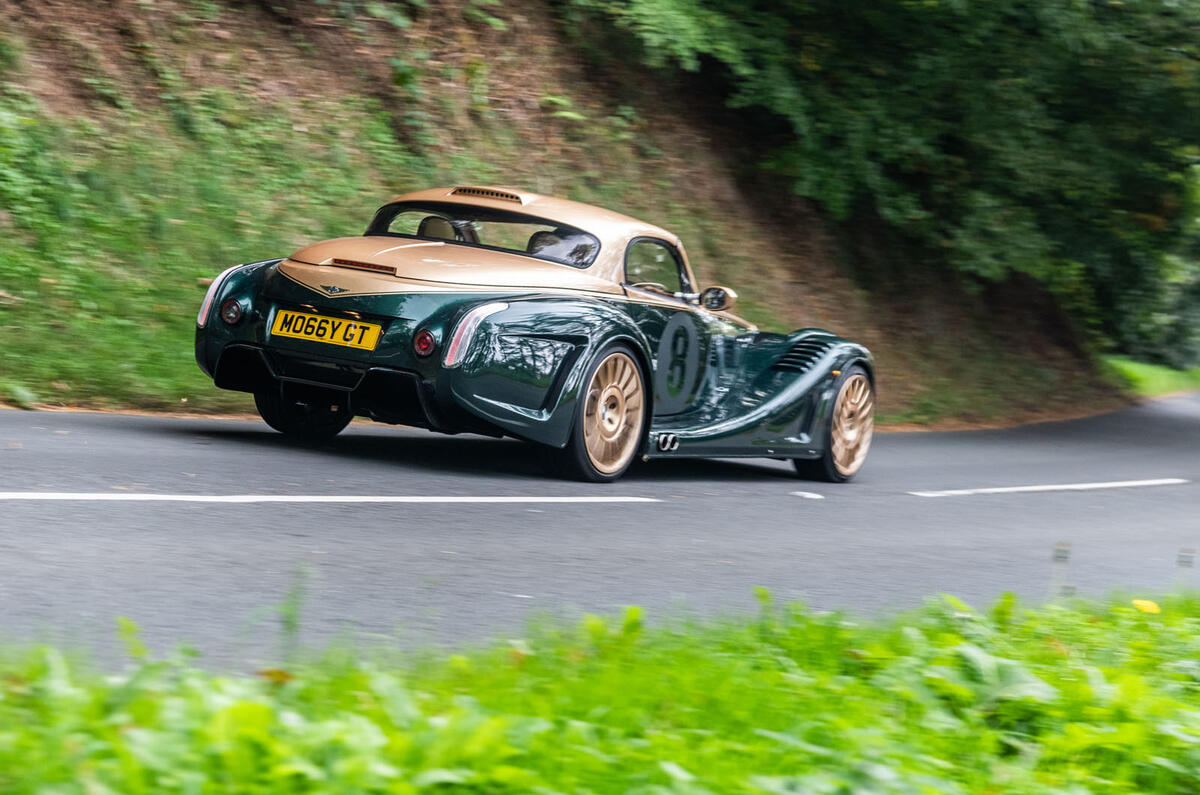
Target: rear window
485 227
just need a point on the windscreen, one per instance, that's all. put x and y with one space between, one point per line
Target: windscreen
485 227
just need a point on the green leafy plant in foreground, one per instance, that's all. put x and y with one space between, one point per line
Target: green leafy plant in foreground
1090 698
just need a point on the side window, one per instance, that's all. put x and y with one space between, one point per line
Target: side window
653 264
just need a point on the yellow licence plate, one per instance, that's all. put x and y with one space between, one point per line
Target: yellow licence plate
334 330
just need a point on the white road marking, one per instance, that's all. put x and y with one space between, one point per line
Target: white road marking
1116 484
808 495
104 496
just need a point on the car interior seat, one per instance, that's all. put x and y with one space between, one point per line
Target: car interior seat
437 227
542 240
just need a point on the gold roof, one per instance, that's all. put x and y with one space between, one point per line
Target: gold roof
370 265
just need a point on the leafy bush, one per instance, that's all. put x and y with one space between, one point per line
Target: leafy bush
1082 699
1049 138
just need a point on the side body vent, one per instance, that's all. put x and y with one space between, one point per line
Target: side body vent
488 193
803 355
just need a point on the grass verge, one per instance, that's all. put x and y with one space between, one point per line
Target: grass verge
1087 698
1151 380
109 236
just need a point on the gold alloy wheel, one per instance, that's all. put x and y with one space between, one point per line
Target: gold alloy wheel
853 424
612 413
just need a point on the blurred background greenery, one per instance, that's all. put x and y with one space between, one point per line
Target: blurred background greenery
993 197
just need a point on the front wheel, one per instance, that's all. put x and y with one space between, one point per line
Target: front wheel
312 421
850 429
610 420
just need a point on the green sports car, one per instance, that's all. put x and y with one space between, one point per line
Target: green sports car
494 311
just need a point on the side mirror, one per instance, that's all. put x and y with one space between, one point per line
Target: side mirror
718 299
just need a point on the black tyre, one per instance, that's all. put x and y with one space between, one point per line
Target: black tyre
610 420
848 433
312 420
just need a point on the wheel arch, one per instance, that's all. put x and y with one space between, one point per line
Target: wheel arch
865 363
642 357
580 327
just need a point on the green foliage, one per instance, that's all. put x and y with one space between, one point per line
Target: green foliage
205 10
18 395
1040 138
391 13
1087 698
1164 325
10 54
106 231
477 11
1153 379
562 108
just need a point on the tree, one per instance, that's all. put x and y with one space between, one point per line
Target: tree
1051 138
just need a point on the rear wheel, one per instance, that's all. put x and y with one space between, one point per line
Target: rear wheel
850 429
309 420
610 420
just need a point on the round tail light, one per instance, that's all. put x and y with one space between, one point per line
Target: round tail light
231 312
424 342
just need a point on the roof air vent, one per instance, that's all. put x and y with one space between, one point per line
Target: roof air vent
803 355
488 193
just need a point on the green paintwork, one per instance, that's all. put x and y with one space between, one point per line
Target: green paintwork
716 385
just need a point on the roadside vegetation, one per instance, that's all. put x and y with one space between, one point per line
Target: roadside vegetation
1153 380
1069 699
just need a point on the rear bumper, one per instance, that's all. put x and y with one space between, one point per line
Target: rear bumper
396 396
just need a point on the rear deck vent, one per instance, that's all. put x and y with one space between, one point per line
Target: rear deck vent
488 193
803 355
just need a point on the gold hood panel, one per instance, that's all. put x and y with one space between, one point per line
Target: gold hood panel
427 265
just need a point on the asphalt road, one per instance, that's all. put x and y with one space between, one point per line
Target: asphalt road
213 573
